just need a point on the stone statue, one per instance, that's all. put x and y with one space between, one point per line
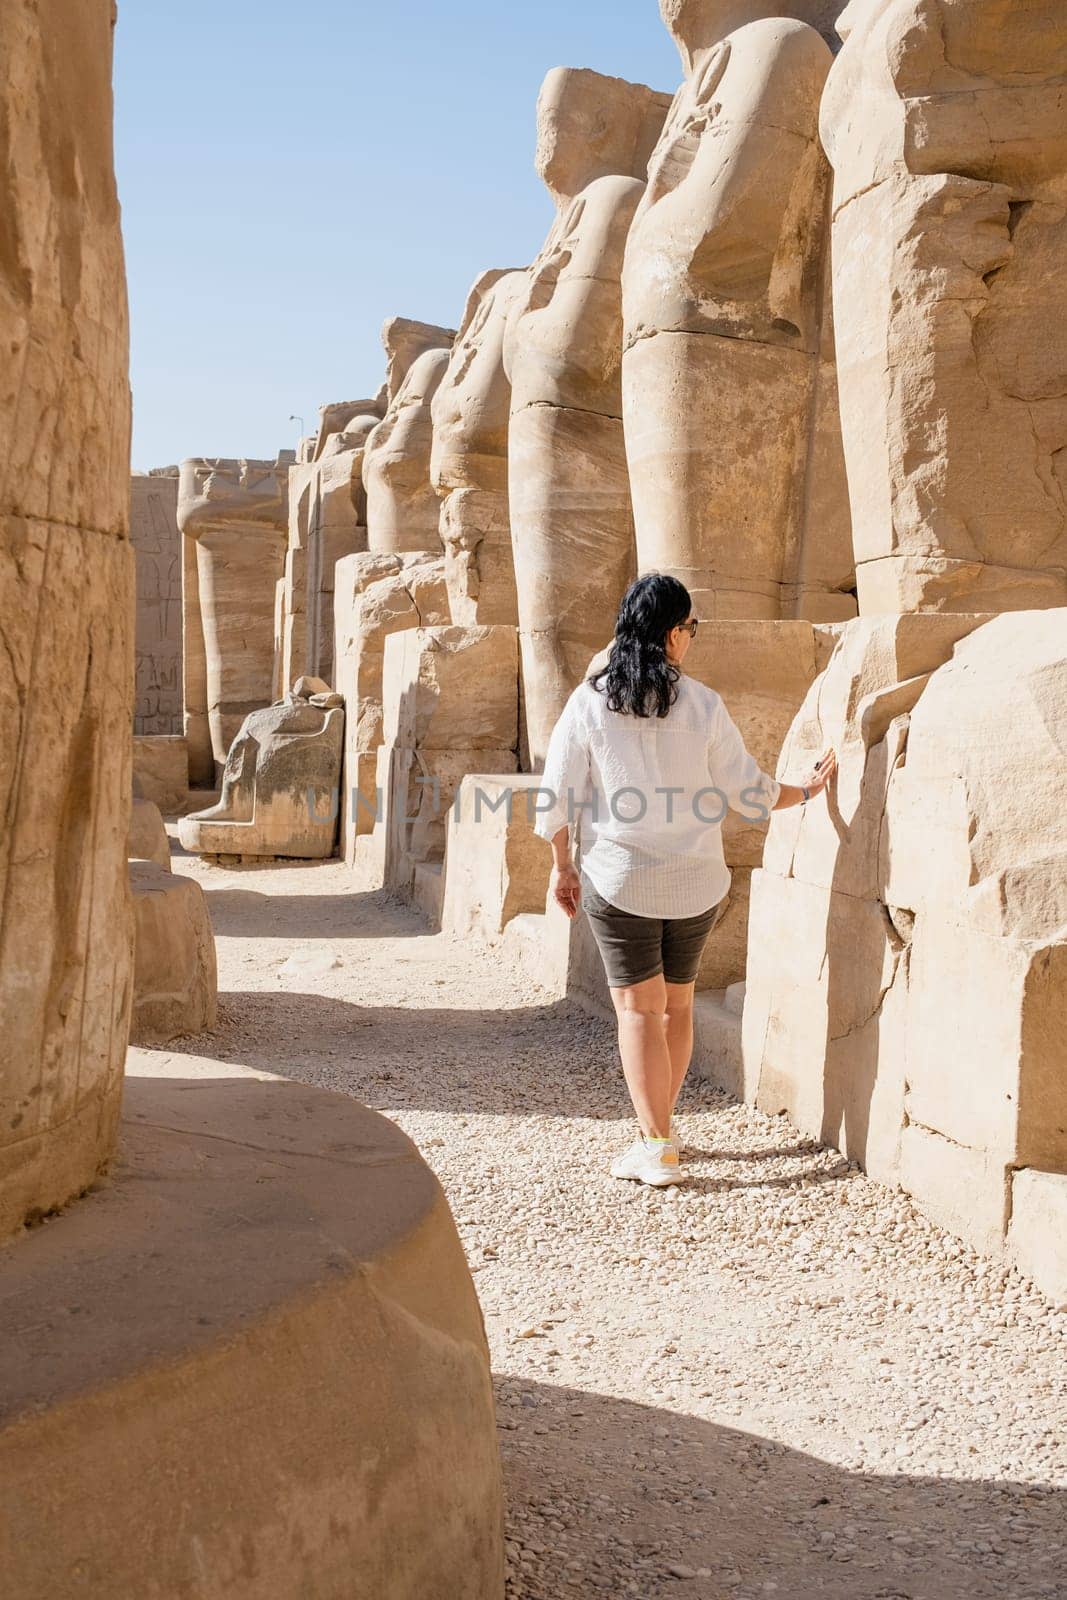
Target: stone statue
728 390
402 509
946 129
469 464
280 783
571 523
327 521
234 518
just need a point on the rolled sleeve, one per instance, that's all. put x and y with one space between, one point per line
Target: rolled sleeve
749 790
566 781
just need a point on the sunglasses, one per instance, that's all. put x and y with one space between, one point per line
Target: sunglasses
689 627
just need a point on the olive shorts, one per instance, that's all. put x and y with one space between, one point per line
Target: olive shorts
634 949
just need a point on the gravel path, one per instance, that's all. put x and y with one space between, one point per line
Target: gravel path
776 1380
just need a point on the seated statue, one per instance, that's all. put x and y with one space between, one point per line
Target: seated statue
280 783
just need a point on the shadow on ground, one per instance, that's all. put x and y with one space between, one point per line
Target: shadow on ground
607 1495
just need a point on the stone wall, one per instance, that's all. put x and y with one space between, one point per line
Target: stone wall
66 574
157 546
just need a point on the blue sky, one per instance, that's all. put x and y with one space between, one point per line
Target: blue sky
292 174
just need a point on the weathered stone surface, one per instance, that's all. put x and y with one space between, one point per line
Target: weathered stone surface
1037 1237
496 868
450 710
66 621
402 508
175 982
327 521
908 942
729 397
571 520
469 462
375 596
157 545
944 122
146 838
280 786
337 1287
451 688
161 771
236 515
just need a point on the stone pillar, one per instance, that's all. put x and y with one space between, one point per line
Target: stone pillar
729 396
157 545
235 513
945 126
571 522
67 579
327 521
402 509
469 463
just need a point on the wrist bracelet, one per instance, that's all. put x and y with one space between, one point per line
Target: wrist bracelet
807 796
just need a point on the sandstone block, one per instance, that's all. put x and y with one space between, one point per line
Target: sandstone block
964 1190
375 595
451 689
717 1052
175 983
1037 1237
147 839
496 866
161 771
260 1238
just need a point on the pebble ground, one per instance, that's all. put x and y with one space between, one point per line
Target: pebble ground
777 1380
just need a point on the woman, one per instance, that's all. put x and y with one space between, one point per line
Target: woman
649 762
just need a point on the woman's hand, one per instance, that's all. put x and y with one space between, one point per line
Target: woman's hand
824 771
566 886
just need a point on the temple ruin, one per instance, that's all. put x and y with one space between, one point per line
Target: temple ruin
796 336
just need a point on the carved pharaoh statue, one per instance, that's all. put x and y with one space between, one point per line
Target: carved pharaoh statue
402 509
729 398
946 127
469 464
571 523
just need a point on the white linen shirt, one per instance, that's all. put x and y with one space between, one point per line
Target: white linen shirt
650 795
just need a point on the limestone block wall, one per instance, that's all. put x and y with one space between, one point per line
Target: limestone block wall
908 951
157 545
66 621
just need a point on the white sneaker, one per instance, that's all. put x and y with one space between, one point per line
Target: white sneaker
655 1164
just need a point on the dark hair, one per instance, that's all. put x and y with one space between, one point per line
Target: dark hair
638 679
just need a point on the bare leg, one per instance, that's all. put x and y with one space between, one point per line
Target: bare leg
646 1059
679 1034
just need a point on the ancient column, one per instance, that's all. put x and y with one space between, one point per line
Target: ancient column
402 509
728 391
235 513
157 545
469 463
571 522
66 618
946 129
